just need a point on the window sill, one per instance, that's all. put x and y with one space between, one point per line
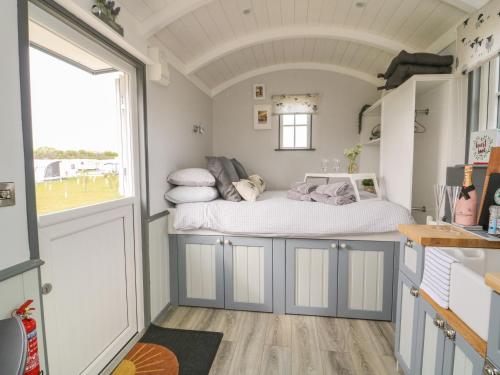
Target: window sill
294 149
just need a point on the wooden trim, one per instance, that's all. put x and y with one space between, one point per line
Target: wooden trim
493 281
444 236
471 337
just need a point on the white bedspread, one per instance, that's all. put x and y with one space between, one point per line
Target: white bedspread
273 213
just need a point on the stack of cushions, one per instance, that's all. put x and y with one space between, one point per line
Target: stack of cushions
233 181
192 185
336 194
405 65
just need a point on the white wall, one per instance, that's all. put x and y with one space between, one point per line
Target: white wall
172 112
334 127
13 223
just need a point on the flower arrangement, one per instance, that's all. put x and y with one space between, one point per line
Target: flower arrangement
352 154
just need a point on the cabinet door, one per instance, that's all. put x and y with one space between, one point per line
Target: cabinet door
311 277
411 260
406 323
430 341
460 358
365 279
201 278
494 332
248 267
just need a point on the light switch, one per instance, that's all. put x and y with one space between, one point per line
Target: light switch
7 194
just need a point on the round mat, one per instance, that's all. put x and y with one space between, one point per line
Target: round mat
148 359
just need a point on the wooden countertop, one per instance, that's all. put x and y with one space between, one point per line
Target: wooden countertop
493 281
474 340
444 236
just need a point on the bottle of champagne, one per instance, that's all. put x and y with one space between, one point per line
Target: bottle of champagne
466 210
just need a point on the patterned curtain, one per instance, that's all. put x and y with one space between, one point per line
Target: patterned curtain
289 104
478 37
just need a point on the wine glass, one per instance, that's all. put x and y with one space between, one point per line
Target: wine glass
453 194
324 165
335 165
439 194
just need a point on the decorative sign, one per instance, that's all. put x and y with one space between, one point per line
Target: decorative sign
262 117
481 143
478 37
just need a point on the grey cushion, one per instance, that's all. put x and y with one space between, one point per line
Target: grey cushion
225 174
242 173
191 177
191 194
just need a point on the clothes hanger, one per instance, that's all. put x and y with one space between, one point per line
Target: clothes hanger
419 128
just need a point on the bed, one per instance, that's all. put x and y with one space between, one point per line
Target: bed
273 215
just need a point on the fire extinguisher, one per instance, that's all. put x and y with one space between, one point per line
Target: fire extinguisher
32 360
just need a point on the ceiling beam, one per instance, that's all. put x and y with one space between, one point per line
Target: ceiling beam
169 14
298 66
468 6
291 32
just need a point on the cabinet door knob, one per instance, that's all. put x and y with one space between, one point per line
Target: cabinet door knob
489 369
343 245
219 241
227 242
438 322
414 291
409 243
46 288
450 333
333 245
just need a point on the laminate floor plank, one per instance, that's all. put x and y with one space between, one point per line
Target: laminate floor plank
266 344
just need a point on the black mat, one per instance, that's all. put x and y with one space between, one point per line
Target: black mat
195 350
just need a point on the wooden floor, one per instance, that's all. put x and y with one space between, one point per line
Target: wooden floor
267 344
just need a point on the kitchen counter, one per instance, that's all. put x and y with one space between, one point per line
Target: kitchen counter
493 281
445 236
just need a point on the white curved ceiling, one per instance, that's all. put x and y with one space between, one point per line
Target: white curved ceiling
215 43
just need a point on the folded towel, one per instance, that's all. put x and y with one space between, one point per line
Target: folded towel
295 195
336 189
436 297
335 201
304 187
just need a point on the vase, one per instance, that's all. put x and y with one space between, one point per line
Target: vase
352 167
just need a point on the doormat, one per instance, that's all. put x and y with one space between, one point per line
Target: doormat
167 351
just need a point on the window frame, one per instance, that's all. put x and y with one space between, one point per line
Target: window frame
309 132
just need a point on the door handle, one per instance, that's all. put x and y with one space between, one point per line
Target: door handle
46 288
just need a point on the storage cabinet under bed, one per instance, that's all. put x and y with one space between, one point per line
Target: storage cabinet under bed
352 279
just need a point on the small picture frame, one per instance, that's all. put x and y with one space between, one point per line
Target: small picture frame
259 91
262 117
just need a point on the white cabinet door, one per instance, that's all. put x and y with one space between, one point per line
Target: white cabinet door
460 358
311 277
406 324
90 314
201 271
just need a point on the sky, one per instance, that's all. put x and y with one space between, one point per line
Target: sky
72 109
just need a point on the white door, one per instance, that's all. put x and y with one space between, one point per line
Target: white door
85 136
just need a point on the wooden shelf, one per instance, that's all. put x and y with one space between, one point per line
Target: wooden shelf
373 142
444 236
493 281
477 343
375 109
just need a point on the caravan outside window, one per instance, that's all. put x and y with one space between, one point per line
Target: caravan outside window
295 131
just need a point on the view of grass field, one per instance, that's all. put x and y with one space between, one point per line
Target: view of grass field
59 195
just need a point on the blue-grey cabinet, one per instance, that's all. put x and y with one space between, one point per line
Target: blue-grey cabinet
429 353
311 277
365 279
411 260
494 331
248 273
200 270
407 324
459 357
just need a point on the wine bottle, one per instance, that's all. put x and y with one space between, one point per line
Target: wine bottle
466 210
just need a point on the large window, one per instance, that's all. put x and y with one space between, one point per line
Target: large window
295 131
79 119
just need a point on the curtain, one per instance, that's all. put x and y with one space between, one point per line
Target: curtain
290 104
478 37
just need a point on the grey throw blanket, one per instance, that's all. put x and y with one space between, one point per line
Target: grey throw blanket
336 189
296 196
304 187
406 71
336 201
420 58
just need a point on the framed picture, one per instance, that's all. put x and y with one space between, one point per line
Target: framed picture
259 91
262 117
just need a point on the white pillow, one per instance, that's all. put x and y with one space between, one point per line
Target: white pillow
191 194
258 181
192 177
247 189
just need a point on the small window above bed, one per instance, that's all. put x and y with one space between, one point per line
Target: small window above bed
295 132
